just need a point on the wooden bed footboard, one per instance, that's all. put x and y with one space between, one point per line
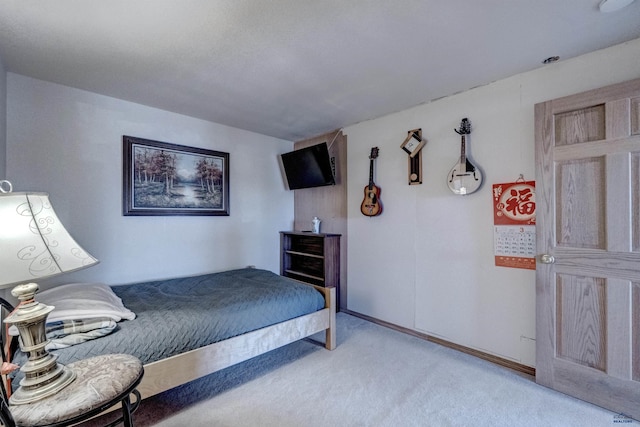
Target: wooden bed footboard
171 372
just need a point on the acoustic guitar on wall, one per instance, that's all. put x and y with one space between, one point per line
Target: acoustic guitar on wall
465 177
371 205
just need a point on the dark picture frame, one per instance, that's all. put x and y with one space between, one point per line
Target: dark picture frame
160 178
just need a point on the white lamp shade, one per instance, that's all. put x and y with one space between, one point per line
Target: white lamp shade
34 243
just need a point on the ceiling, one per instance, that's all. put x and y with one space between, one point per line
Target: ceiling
294 69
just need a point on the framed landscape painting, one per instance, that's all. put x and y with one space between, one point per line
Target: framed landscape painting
160 178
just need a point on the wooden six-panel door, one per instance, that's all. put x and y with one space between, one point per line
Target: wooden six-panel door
588 242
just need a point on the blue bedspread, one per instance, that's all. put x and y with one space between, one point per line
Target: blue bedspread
181 314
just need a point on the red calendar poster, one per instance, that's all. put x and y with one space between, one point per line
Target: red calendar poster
514 218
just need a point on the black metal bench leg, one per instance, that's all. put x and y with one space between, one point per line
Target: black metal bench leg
127 419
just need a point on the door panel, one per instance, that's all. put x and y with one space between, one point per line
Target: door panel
580 199
635 116
619 343
635 354
581 324
588 219
583 125
635 201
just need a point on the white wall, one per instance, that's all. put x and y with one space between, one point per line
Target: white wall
427 262
68 142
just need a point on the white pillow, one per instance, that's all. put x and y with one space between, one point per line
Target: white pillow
82 301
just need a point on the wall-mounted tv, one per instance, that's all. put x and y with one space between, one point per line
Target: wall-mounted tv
308 167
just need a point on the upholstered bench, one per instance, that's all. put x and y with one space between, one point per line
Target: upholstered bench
101 382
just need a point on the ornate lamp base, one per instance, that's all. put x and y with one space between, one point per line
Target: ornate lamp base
43 375
27 394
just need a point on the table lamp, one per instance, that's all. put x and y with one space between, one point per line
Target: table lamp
35 245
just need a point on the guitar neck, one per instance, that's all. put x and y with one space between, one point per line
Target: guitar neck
370 174
463 150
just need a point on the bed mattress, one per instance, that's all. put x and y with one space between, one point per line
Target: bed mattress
181 314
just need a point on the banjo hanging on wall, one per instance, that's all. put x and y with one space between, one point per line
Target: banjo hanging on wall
465 177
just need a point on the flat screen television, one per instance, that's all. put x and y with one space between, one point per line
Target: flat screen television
308 167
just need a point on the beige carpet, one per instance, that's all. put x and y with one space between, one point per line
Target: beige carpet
376 377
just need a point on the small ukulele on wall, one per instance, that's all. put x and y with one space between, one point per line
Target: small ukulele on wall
371 205
465 177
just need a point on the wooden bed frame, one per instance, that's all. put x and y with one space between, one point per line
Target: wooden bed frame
171 372
168 373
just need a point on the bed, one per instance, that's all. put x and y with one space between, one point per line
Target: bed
189 327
